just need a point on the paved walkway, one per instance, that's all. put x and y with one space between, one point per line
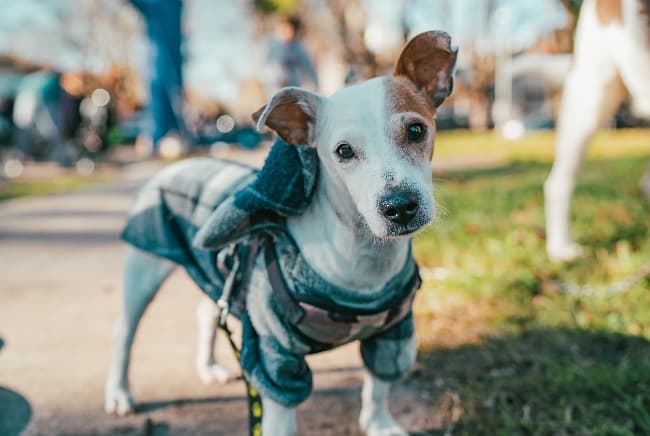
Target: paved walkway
60 269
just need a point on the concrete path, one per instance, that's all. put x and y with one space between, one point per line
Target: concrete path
60 265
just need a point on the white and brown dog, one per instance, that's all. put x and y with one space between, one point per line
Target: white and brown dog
611 62
374 142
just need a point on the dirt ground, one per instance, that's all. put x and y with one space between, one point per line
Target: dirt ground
61 260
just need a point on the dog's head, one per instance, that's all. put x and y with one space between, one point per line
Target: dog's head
375 139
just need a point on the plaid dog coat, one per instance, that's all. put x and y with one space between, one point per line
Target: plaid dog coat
301 313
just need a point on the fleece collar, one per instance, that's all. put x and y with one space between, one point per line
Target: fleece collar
283 187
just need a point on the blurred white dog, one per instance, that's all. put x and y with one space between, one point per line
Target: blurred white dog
611 62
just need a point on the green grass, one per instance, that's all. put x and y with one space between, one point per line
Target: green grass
543 382
22 188
539 146
522 356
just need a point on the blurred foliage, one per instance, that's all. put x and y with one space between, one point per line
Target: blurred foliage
573 6
281 6
115 137
497 333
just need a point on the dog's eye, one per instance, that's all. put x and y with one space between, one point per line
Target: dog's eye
345 151
415 132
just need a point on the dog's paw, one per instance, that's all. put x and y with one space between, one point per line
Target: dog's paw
565 252
118 401
380 426
385 430
215 373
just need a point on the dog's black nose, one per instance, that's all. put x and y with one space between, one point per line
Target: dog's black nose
400 207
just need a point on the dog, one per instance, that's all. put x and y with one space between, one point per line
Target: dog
372 144
611 61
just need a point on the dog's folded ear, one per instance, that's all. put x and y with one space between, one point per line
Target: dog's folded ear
428 60
292 114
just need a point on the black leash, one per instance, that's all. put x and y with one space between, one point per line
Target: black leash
254 400
223 309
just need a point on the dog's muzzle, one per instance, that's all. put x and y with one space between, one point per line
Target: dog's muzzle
400 207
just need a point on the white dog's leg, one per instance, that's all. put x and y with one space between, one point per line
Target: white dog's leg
277 419
206 363
143 275
645 184
375 418
589 99
592 93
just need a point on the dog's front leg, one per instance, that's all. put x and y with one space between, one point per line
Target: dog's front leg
277 419
375 418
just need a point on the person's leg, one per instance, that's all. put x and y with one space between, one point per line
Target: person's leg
51 130
163 23
24 115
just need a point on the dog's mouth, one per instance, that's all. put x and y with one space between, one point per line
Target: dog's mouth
397 231
407 232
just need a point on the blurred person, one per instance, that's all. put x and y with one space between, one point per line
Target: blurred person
6 119
289 63
40 119
96 118
165 130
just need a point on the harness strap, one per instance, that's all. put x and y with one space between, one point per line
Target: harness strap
298 313
281 295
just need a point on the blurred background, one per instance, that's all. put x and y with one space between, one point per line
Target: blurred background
97 95
80 77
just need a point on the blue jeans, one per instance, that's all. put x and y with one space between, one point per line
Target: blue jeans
163 23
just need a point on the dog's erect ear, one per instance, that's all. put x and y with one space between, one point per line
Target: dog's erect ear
428 60
292 114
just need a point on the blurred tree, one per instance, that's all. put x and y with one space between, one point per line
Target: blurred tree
350 19
334 35
573 6
564 36
114 30
100 36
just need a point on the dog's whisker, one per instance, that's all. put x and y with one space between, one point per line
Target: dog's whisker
441 212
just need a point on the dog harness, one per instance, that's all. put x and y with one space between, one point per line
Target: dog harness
324 323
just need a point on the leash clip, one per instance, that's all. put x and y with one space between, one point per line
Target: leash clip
223 309
223 305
